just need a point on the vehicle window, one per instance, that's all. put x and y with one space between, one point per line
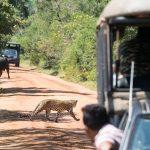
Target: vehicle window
141 134
121 59
132 45
10 53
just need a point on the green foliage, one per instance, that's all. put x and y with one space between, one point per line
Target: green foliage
60 36
34 59
92 7
79 56
24 8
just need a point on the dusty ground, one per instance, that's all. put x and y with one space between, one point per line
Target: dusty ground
21 94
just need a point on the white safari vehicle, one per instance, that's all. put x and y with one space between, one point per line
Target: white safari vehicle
124 89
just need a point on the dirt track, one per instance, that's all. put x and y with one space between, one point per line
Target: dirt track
21 94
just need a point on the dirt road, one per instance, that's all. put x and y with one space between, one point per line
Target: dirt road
21 94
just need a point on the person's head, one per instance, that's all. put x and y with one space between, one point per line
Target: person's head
94 118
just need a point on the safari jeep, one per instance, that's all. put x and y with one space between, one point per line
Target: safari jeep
11 50
128 101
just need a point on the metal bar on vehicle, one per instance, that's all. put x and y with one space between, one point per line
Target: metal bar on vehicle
129 21
100 67
131 91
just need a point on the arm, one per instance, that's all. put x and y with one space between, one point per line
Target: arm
105 146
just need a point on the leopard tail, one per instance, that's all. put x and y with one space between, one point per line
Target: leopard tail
36 111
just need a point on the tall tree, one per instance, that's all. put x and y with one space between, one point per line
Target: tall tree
8 20
24 7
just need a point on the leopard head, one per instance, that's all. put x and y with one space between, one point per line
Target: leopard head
74 102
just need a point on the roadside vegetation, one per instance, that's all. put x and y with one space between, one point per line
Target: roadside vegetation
56 35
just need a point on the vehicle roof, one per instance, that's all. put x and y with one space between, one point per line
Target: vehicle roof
15 43
125 8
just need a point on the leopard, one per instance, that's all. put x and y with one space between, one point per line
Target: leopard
55 105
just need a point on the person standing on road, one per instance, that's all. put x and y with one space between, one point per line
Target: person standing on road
104 135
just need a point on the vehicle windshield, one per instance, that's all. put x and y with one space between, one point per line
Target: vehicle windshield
141 134
10 53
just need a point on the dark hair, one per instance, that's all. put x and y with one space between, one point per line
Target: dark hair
94 116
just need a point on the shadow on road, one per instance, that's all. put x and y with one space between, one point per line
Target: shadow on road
21 69
34 90
45 139
8 115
